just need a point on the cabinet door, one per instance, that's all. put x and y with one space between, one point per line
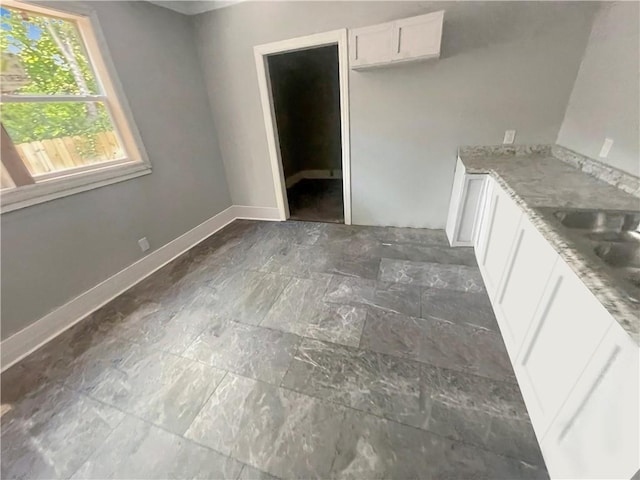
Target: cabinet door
455 202
526 277
567 327
418 37
596 434
464 207
503 220
371 45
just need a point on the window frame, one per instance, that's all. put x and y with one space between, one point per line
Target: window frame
65 182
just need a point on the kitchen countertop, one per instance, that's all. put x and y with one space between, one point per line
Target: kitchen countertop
538 177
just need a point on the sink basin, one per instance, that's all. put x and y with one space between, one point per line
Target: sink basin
599 220
619 255
613 236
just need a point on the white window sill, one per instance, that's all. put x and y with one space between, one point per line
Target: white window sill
25 196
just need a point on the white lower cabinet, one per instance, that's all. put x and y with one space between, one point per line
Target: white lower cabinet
502 219
526 277
578 370
596 434
463 219
566 329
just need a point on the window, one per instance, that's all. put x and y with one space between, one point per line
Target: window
64 129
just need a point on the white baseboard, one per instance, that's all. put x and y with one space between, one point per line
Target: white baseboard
301 175
21 344
256 213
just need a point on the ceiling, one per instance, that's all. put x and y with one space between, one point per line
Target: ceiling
193 7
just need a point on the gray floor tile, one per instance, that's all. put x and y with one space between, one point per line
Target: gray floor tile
250 473
255 352
278 431
398 297
164 389
301 310
428 253
139 450
301 233
438 343
296 260
369 381
52 433
480 411
351 266
299 296
454 277
464 308
350 291
247 296
371 447
422 236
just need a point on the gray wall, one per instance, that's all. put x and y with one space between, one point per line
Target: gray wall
605 101
306 98
504 65
54 251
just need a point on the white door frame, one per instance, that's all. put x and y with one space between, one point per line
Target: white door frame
261 52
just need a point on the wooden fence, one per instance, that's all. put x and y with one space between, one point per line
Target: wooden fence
67 152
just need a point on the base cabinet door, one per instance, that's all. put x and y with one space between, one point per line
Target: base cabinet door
597 432
568 325
525 279
499 234
464 207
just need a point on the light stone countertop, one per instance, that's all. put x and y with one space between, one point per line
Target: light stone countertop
540 177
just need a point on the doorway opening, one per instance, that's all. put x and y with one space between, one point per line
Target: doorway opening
304 93
305 88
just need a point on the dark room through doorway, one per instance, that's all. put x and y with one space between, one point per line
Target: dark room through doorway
305 87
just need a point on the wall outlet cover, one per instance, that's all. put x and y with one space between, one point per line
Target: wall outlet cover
509 137
606 147
144 244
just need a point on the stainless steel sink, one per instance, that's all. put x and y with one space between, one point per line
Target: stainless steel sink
613 236
599 220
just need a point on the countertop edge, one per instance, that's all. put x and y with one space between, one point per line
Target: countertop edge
597 283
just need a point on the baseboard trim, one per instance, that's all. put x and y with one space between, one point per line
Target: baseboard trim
256 213
310 174
29 339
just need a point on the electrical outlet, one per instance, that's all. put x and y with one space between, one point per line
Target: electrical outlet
509 137
606 147
144 244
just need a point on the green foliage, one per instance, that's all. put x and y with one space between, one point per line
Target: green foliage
41 43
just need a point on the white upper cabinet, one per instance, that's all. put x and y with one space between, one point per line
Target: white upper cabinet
418 37
371 46
408 39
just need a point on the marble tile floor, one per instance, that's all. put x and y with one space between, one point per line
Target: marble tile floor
280 350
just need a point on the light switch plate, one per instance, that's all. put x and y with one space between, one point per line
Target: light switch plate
606 147
509 137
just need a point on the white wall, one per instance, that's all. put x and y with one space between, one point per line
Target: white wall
605 101
54 251
504 65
